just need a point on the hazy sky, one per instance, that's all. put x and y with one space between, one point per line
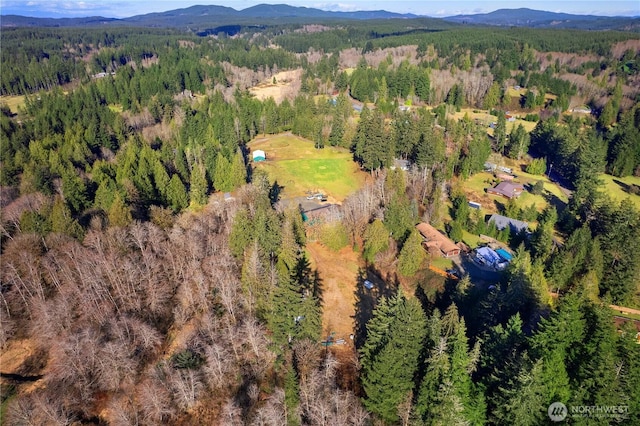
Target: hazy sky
438 8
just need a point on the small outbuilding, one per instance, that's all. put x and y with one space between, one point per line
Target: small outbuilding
400 164
259 155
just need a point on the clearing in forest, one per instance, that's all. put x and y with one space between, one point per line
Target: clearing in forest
475 188
620 188
285 82
483 117
339 275
298 167
13 102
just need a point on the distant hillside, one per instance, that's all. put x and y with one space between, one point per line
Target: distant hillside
524 17
28 21
207 17
203 16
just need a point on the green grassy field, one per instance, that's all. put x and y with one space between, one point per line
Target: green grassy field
617 191
476 186
297 166
470 239
442 263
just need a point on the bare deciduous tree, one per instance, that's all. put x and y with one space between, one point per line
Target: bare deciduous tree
186 387
38 408
273 412
155 402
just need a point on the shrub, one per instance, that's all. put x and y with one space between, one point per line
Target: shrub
334 236
187 359
538 166
538 188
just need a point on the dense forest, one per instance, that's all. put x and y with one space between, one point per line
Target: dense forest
134 292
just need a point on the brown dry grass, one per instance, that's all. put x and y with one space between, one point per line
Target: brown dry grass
14 359
339 275
15 355
287 84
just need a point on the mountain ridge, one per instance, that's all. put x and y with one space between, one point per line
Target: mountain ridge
526 17
201 16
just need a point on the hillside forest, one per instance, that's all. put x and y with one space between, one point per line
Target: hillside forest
135 292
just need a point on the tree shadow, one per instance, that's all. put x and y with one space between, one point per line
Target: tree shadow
318 288
366 300
554 201
309 279
629 189
242 397
500 206
275 191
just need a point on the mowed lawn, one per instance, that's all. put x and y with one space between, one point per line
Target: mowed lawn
617 188
475 189
297 166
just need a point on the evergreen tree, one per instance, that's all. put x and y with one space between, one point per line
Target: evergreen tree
620 242
455 231
376 240
390 355
372 148
62 221
289 248
267 229
198 185
527 291
255 283
286 310
492 98
74 190
221 177
447 394
337 130
542 239
518 143
398 218
500 133
241 233
412 255
119 213
295 310
503 357
177 194
237 173
525 399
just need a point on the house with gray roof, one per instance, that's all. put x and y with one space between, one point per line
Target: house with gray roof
502 222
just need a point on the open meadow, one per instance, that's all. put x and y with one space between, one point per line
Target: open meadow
298 167
620 188
13 102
